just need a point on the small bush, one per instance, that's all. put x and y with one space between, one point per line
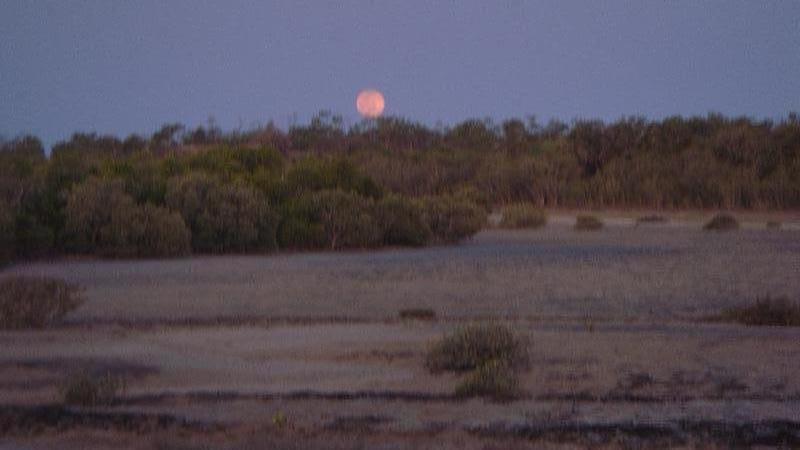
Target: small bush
773 225
588 223
653 218
402 221
29 302
452 218
346 219
417 314
522 215
85 389
766 312
494 379
722 222
474 346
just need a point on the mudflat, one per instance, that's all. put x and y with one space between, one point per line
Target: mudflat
307 350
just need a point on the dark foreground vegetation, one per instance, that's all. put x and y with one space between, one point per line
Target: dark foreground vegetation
766 312
36 302
383 182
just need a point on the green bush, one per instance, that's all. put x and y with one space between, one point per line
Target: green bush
523 215
102 219
722 222
30 302
402 221
588 223
494 379
223 217
451 218
473 346
85 389
346 219
7 228
317 174
766 312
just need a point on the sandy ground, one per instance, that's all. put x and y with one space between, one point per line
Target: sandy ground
215 348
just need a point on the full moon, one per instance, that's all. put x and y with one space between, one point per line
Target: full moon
370 103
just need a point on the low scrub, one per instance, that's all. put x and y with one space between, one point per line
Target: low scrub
494 379
766 312
417 314
523 215
402 221
652 219
453 218
473 346
30 302
588 223
774 225
85 389
722 222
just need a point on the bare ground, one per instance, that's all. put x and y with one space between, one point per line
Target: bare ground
215 348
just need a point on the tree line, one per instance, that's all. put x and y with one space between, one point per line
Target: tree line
388 181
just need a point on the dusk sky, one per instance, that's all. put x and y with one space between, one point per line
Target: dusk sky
123 67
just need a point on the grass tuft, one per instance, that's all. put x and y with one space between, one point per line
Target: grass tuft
766 312
473 346
523 215
651 219
35 302
494 379
85 389
417 314
722 222
588 223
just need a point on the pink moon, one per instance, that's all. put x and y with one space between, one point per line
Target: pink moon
370 103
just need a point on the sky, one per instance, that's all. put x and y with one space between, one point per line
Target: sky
121 67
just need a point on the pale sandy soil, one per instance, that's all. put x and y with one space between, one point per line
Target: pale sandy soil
620 356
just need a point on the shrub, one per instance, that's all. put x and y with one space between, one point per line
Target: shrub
722 222
102 219
223 217
474 346
588 223
7 227
29 302
85 389
523 215
298 227
401 221
766 312
316 174
773 225
346 219
417 314
653 218
453 218
494 379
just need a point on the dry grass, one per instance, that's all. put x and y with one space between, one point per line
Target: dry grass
417 314
722 222
588 223
766 312
85 389
652 218
35 302
523 215
495 379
